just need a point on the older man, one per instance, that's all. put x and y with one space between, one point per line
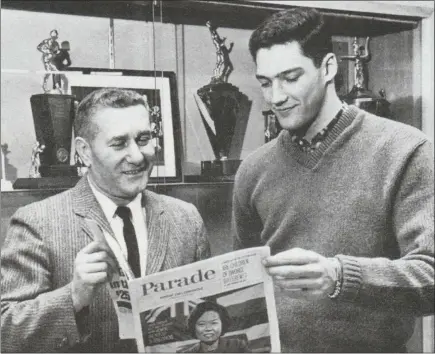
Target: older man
52 267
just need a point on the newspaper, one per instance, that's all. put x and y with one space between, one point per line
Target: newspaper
155 309
171 309
118 284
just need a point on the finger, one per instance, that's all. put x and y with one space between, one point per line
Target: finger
95 278
295 284
92 247
97 256
101 256
294 256
296 271
90 268
104 246
303 294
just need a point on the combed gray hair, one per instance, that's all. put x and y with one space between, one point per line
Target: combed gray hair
103 98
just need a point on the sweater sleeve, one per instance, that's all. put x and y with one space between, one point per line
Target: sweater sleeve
405 284
246 223
34 316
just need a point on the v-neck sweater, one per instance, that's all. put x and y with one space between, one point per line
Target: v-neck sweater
364 195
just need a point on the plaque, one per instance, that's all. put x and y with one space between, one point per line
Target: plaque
224 112
360 95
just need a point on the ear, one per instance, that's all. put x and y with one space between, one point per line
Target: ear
329 67
84 151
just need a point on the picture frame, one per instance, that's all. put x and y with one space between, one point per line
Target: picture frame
161 91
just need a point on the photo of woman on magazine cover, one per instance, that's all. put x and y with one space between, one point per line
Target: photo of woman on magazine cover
208 322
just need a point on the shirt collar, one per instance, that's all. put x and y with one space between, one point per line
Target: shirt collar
109 207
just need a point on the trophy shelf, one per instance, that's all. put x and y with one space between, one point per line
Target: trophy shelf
342 20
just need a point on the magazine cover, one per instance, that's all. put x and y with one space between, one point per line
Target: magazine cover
224 304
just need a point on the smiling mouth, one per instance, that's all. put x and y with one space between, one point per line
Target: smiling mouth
284 110
135 171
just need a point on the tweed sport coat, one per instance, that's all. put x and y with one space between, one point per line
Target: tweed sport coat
37 263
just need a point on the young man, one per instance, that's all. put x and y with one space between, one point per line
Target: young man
54 270
343 198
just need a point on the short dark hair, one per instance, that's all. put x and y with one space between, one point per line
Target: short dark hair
103 98
205 306
303 25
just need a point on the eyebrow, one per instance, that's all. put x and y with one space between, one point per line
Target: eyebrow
119 137
282 73
125 136
144 132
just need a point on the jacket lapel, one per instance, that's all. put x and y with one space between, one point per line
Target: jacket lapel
158 226
158 232
86 205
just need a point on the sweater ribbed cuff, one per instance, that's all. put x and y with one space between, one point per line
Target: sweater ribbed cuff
352 277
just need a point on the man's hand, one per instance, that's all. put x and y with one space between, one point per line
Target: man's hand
93 266
303 274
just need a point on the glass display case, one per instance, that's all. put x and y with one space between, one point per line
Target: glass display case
168 48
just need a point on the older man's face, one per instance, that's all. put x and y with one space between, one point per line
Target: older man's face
121 153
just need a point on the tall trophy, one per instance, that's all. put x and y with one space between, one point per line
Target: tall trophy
224 111
53 114
360 95
272 127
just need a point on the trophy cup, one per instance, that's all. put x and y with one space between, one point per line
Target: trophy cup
224 110
53 114
359 95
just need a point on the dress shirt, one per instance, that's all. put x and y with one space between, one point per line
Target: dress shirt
116 223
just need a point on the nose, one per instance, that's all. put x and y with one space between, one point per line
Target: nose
277 94
135 155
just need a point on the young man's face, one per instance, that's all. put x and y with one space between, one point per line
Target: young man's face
291 84
122 153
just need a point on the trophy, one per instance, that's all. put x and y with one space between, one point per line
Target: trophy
224 110
6 185
272 127
53 114
359 95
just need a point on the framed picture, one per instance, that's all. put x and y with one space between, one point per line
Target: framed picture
159 87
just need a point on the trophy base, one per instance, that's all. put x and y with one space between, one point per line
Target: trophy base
58 171
219 167
368 101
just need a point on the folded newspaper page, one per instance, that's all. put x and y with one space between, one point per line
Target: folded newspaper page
118 284
225 303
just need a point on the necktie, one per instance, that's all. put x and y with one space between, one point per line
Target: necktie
130 239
